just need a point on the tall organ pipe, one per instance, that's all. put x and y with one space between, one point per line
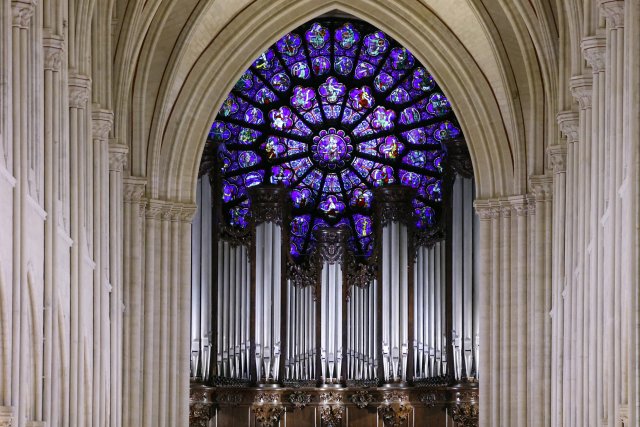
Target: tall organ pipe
393 214
268 204
330 252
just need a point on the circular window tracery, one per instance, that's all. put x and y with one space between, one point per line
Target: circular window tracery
333 110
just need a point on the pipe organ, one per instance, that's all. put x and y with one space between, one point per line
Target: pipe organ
406 318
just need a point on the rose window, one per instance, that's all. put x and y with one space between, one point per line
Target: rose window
333 110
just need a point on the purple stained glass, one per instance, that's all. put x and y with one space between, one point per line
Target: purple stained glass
333 110
376 44
281 175
331 90
363 70
300 70
401 59
317 36
303 97
382 118
332 207
219 132
331 148
391 148
343 65
361 98
321 65
280 82
347 36
438 105
289 44
301 197
383 82
363 225
281 118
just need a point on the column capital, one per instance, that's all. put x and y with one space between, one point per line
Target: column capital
79 91
118 157
134 189
170 210
541 187
101 123
581 89
520 205
568 123
488 209
53 47
594 49
613 12
22 11
558 157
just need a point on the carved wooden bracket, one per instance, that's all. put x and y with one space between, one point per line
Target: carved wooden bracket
200 408
395 409
267 409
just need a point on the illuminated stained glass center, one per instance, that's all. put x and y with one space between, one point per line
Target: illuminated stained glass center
331 148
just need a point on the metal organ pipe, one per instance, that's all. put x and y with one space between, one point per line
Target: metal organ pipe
394 206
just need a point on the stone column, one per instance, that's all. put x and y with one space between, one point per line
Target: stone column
22 12
581 89
557 159
613 12
53 49
79 91
117 162
133 233
593 49
103 349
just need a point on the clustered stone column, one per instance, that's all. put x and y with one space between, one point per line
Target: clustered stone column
594 279
515 233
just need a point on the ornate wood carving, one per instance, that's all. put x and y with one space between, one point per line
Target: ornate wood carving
229 398
331 415
302 274
332 244
360 274
235 236
267 409
299 399
464 408
332 410
200 408
361 399
268 203
395 409
393 203
459 158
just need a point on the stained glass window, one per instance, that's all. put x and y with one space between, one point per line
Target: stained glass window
333 110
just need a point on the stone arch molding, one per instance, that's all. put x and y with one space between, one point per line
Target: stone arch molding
174 154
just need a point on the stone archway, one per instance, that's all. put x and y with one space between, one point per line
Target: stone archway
160 205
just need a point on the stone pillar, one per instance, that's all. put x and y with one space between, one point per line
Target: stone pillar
593 49
103 348
581 89
613 12
117 161
79 91
22 12
557 159
53 49
133 233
